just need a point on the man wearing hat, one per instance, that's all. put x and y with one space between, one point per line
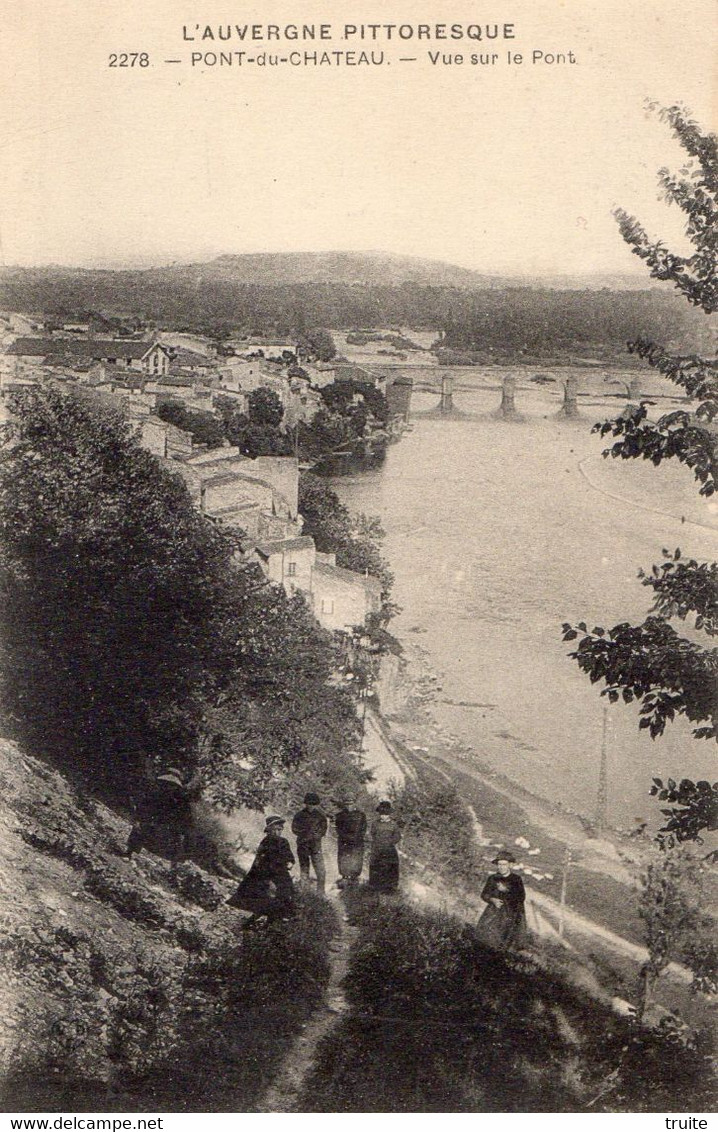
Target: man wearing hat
502 923
164 815
309 827
267 890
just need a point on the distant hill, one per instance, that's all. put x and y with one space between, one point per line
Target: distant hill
367 269
363 268
495 317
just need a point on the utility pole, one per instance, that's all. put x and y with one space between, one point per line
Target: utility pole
564 886
602 797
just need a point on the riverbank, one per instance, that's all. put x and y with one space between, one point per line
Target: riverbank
496 537
598 921
602 871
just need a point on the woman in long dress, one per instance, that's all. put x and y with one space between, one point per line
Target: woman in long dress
502 923
384 858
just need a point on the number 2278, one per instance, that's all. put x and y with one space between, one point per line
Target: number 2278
129 59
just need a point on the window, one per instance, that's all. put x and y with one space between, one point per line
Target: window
292 569
327 605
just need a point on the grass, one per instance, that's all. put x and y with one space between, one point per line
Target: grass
439 1023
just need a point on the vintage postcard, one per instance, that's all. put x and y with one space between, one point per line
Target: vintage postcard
358 529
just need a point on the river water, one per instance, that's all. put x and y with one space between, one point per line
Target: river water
498 532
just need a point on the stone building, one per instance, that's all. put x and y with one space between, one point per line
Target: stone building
342 598
127 354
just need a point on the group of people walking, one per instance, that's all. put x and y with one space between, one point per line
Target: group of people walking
267 891
164 824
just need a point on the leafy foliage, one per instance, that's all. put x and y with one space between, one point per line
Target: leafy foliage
669 674
652 663
695 191
460 1028
316 345
437 827
675 925
265 407
692 807
260 433
203 427
131 636
356 401
355 539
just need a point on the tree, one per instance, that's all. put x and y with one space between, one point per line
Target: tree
265 408
355 539
357 402
278 707
652 663
676 928
316 345
131 636
203 427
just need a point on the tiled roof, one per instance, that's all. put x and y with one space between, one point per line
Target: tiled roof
98 348
339 574
176 380
183 357
279 546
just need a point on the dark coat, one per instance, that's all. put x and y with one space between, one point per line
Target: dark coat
503 926
270 866
309 824
384 859
163 817
169 802
351 829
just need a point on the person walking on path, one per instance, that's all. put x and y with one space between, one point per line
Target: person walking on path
267 890
163 816
350 824
309 827
384 858
502 923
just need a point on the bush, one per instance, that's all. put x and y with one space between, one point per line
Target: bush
242 1007
442 1024
437 828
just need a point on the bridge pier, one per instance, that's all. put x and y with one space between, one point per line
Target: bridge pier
569 409
634 389
446 404
508 397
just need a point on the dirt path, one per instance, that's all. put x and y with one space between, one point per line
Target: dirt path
285 1091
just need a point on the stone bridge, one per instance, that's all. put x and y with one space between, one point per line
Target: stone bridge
446 380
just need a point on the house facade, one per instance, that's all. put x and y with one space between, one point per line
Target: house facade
152 358
342 599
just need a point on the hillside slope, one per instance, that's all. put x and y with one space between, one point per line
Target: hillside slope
337 268
127 985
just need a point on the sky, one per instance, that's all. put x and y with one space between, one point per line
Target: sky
502 168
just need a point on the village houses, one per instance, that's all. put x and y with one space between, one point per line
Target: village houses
258 496
261 497
151 358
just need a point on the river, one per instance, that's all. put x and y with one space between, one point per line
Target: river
498 532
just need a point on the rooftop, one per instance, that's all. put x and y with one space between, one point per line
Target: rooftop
94 348
339 574
279 546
